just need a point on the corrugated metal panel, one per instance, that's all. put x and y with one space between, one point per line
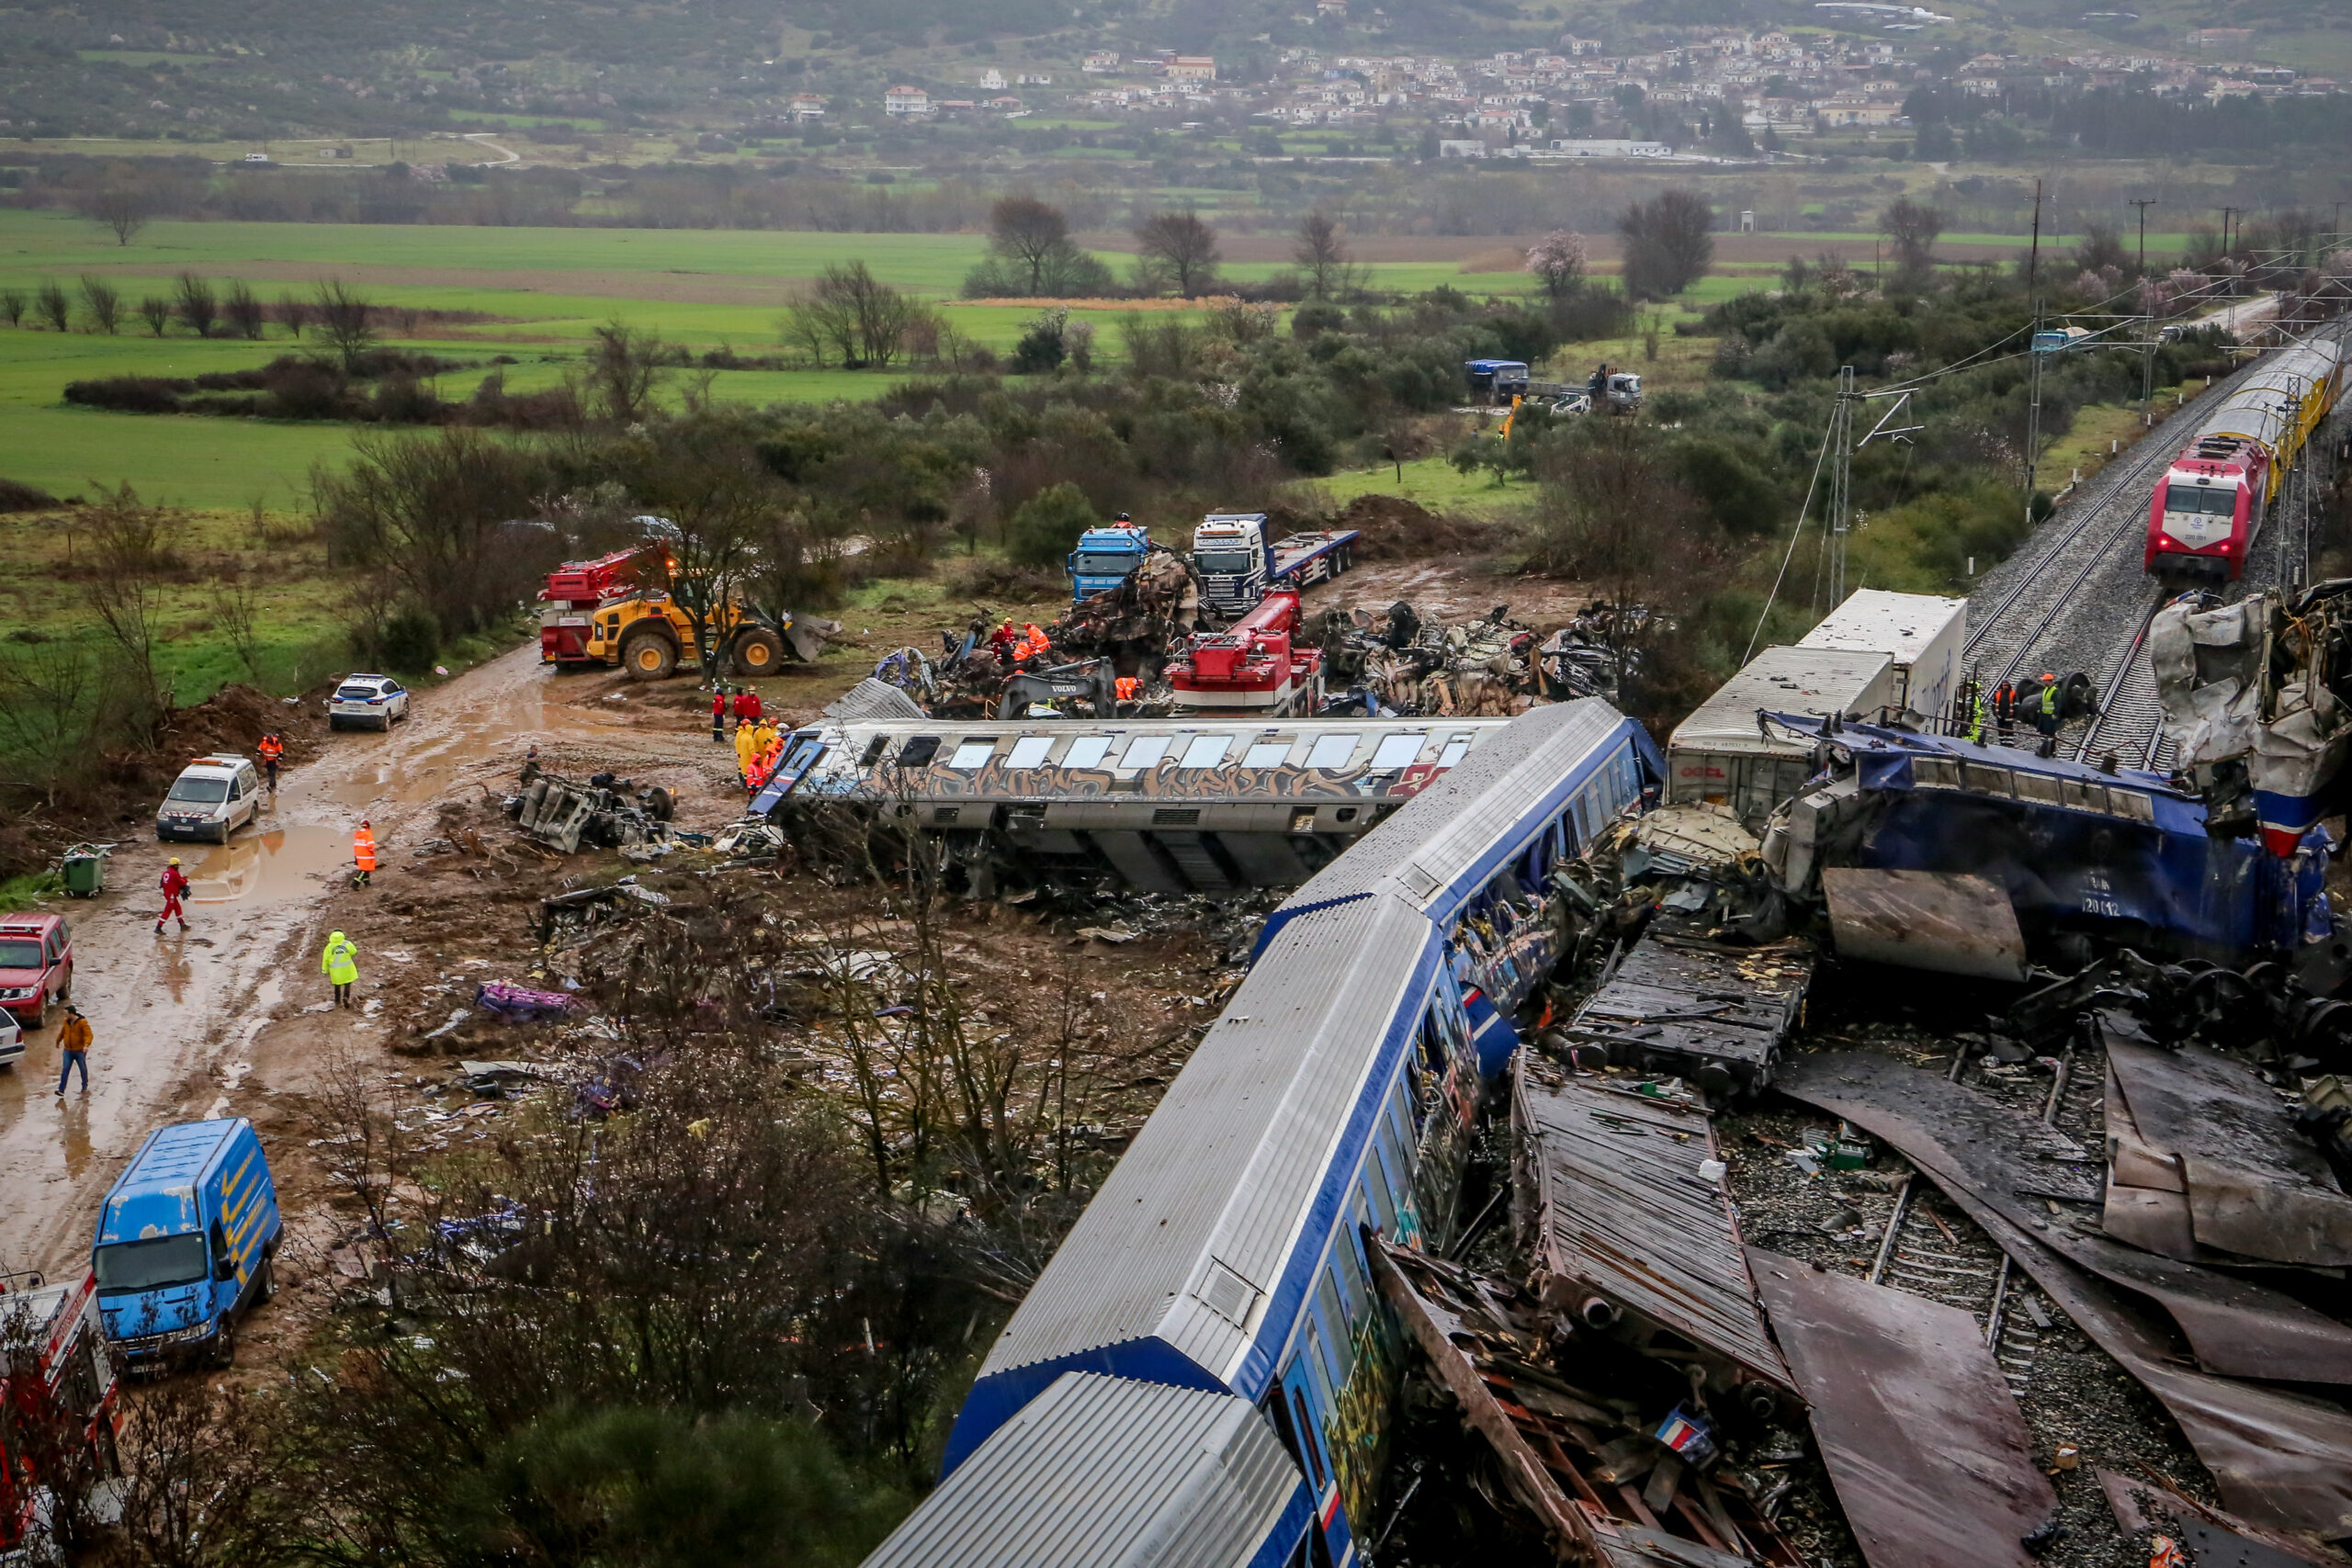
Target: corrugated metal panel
1109 1472
1227 1168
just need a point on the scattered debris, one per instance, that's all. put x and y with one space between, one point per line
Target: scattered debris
1922 1438
605 812
1630 1237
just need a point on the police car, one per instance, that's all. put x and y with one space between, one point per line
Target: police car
371 700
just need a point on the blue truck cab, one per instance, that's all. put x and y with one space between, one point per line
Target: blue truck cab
1496 381
184 1243
1105 557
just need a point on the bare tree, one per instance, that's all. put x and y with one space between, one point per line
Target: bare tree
426 515
1030 234
12 306
710 484
235 615
1610 513
294 311
860 319
48 708
346 321
1669 243
199 308
134 550
103 302
1176 250
55 308
192 1493
623 371
1323 256
156 311
119 201
246 313
1911 227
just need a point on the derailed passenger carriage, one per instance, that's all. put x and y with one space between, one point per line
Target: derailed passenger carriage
1171 806
1204 1372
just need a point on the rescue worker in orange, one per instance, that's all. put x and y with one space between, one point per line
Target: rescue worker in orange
270 749
175 884
363 854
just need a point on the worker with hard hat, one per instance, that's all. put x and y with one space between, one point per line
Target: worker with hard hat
363 854
340 963
175 882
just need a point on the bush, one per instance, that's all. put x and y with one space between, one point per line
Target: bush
1309 319
15 496
657 1488
1046 527
129 394
409 641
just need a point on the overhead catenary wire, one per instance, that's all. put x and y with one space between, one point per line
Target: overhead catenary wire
1813 484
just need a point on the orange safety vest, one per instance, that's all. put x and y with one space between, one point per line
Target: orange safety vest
271 749
1125 686
363 849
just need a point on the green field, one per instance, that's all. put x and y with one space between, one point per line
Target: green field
543 291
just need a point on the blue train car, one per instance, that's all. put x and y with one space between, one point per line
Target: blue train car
2124 854
1224 1260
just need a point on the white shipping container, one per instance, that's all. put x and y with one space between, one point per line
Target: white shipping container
1720 754
1921 633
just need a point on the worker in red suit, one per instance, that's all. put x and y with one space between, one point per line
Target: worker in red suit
175 889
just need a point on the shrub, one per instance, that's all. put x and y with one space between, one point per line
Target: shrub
408 641
1045 529
129 394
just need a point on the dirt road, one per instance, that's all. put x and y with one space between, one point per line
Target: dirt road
177 1016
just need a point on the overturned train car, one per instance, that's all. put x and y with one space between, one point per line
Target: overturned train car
1203 1373
2077 851
1171 805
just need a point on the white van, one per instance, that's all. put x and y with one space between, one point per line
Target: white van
212 799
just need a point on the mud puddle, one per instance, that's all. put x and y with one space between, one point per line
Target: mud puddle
269 866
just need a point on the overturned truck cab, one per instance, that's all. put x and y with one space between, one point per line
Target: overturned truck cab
2082 856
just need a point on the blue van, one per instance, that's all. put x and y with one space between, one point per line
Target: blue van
185 1242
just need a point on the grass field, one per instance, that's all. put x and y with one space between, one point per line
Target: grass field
542 291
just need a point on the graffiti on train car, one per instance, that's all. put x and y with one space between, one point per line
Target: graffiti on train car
1165 780
1364 1413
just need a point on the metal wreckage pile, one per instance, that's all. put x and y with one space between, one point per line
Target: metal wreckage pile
1109 656
1967 1107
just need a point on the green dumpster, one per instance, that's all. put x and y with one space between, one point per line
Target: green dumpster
85 866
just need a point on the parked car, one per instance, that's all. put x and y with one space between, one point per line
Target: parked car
371 700
184 1244
36 970
212 799
12 1040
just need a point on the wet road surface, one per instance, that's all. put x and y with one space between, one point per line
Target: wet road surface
173 1015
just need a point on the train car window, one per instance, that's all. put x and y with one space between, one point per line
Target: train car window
1337 1345
1086 751
1145 752
1029 751
1206 752
1332 751
1266 754
874 749
1375 1181
918 752
1306 1437
1354 1289
972 753
2213 501
1397 751
1455 750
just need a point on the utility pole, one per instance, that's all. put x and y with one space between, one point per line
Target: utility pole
2143 203
2033 256
2034 357
2227 213
1841 482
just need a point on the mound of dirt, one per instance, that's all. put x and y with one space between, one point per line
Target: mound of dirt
237 716
1397 529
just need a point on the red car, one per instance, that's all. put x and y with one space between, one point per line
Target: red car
35 965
